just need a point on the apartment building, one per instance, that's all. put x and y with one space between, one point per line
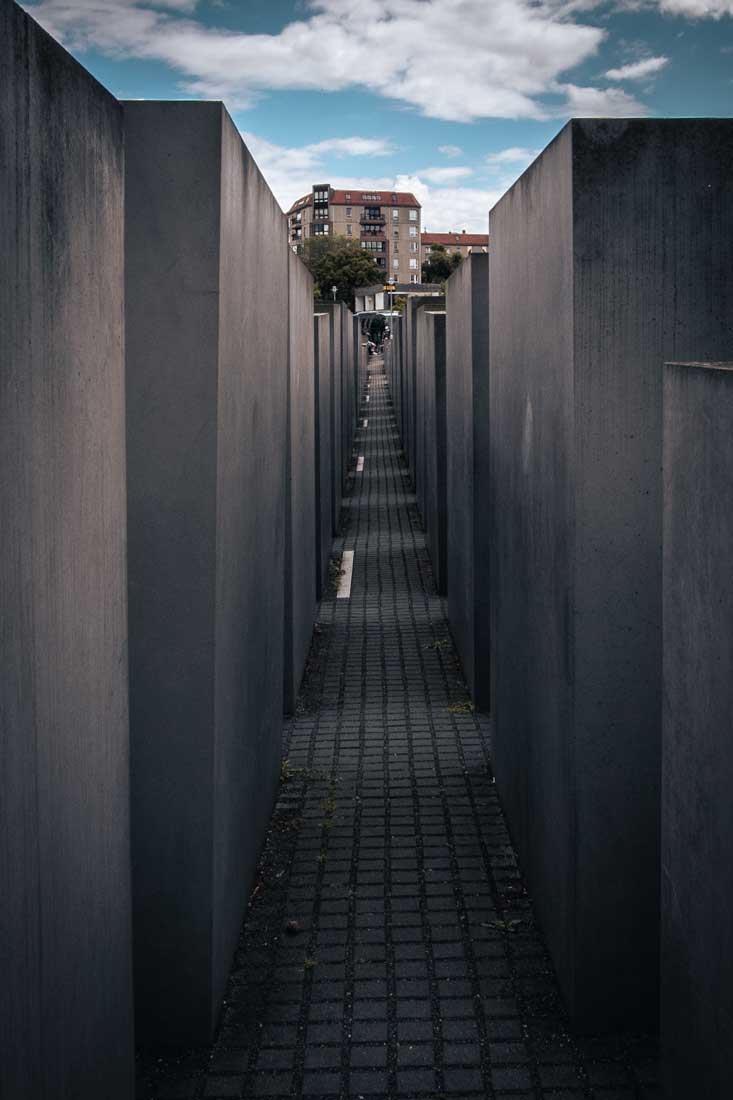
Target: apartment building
462 242
386 224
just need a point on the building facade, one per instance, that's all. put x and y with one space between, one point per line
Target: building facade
462 242
385 223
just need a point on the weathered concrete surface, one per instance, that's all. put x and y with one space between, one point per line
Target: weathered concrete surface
206 421
697 756
300 494
338 341
412 430
65 990
431 462
611 254
324 456
357 366
467 466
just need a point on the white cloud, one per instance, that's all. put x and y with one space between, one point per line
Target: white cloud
697 9
512 156
444 175
452 59
638 70
445 209
450 150
600 103
351 147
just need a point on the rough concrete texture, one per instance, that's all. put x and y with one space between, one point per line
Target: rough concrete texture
355 358
611 254
338 342
324 457
430 466
467 470
206 256
697 750
65 992
410 373
300 494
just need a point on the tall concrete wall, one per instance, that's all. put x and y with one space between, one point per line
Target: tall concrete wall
697 758
412 434
338 339
324 456
467 463
300 495
65 990
206 421
612 253
430 466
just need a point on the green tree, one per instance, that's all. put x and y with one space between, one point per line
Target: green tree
339 262
439 266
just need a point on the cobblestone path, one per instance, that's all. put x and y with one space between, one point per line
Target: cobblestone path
389 949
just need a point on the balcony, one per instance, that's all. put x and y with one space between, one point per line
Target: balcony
372 219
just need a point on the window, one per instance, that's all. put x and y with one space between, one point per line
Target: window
413 246
321 195
373 246
348 230
320 229
413 265
413 230
413 278
395 263
348 211
347 196
395 215
413 215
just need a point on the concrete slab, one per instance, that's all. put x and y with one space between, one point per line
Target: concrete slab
323 376
206 257
300 494
65 959
697 752
467 470
611 254
430 464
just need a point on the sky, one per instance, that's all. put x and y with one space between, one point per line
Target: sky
449 99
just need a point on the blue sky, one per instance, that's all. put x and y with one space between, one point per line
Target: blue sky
448 98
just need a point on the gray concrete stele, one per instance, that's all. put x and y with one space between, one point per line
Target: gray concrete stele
697 743
207 379
611 254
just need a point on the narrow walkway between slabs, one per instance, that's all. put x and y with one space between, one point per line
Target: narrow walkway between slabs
389 949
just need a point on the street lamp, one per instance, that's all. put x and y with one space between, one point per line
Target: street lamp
334 291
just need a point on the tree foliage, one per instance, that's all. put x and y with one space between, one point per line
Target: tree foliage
439 265
337 261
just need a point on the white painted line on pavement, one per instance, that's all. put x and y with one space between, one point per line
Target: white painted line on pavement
347 569
360 464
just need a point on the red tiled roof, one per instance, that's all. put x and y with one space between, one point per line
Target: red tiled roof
455 238
360 198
